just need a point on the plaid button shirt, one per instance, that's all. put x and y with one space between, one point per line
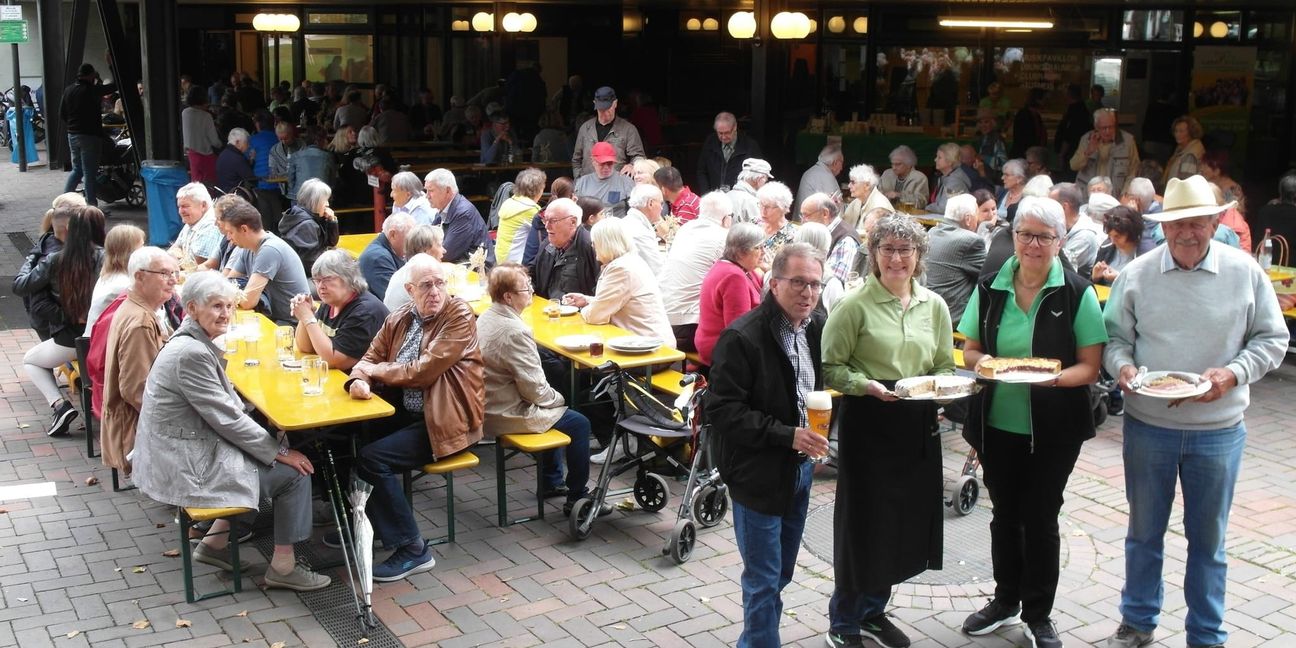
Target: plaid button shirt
797 347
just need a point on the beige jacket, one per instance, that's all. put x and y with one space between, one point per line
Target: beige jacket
134 341
518 398
628 296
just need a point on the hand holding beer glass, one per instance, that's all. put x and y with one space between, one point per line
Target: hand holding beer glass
819 419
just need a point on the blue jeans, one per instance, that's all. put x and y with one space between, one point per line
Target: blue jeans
1206 464
85 151
383 463
768 545
575 425
847 610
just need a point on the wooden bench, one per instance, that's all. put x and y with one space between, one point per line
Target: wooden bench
189 515
533 445
446 468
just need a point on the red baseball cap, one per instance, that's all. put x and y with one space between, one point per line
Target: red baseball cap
603 152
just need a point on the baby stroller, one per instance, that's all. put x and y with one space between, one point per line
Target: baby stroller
659 431
706 499
119 176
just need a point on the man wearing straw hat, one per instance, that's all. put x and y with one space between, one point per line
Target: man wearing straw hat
1192 305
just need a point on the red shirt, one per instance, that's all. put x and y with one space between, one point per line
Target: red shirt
728 292
685 205
97 356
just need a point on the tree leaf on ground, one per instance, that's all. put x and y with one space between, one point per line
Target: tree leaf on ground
242 614
92 480
22 600
171 553
138 569
278 644
73 633
141 624
160 525
184 623
362 640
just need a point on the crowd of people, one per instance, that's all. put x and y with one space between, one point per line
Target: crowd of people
778 295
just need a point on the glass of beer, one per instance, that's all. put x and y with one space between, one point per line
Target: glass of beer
314 370
285 338
819 414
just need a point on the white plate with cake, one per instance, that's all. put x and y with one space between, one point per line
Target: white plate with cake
1173 385
934 388
1020 370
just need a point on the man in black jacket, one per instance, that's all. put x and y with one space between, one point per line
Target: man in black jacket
82 115
763 366
722 155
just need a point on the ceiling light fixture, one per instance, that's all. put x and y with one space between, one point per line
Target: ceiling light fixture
1000 23
742 24
483 22
789 24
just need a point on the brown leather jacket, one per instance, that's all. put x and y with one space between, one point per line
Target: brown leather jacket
449 370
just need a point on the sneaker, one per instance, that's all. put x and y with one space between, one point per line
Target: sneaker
1042 634
843 641
882 630
300 579
991 617
1116 407
321 513
402 563
63 416
616 451
1127 637
219 558
551 492
604 510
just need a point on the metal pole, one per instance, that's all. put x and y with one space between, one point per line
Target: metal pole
20 139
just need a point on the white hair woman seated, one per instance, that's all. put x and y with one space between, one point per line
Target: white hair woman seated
627 293
196 446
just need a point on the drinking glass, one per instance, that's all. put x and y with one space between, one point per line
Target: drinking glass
314 370
819 415
596 347
284 340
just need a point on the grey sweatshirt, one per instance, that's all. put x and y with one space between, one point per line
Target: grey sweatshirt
1223 313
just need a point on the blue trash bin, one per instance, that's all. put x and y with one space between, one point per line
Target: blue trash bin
162 180
29 135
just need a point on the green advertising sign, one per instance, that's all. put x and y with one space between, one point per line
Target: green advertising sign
13 31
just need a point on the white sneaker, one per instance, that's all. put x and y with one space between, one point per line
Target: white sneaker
613 453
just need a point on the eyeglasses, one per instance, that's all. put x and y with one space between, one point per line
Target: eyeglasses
553 221
1042 240
902 252
425 286
528 290
800 285
322 279
173 274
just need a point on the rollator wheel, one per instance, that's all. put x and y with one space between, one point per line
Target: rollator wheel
651 492
581 522
966 492
135 195
710 505
682 539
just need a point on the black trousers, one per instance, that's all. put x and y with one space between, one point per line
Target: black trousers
1026 490
684 337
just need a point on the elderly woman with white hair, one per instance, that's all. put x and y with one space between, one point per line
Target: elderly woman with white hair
310 226
408 197
1014 183
200 238
425 240
196 445
1029 436
775 203
730 288
953 179
865 196
902 182
348 317
515 215
627 294
233 169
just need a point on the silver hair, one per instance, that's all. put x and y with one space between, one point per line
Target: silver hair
820 200
611 238
399 222
143 258
203 286
195 191
906 155
1015 167
750 176
960 207
565 206
339 263
815 234
441 178
1067 193
424 237
408 182
1100 181
643 193
903 228
423 262
864 173
951 151
1142 191
1046 211
726 118
312 193
777 193
785 254
830 154
237 135
367 137
1039 186
1100 112
715 205
741 238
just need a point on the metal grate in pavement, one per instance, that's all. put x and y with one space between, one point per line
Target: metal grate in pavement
333 606
967 546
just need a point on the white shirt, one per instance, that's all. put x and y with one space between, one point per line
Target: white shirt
645 239
696 247
106 289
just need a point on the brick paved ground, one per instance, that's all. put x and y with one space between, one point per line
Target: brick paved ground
530 585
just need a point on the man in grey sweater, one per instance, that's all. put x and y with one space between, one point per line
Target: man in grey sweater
1192 305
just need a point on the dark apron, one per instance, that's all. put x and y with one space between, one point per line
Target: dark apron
890 502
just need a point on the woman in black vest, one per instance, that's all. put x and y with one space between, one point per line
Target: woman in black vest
1029 436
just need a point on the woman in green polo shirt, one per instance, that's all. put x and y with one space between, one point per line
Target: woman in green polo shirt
889 509
1029 436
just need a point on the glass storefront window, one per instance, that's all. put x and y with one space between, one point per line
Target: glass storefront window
927 83
339 57
1163 25
1022 69
336 18
1218 26
285 57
